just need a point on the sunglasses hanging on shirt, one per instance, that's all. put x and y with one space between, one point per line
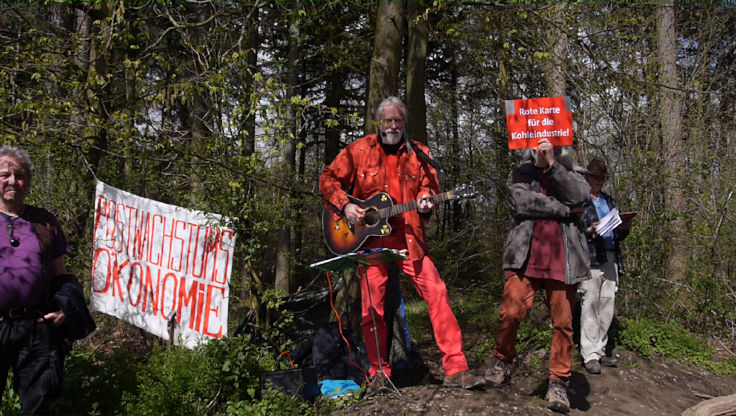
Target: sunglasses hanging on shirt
13 241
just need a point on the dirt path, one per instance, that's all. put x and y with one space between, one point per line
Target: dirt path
635 387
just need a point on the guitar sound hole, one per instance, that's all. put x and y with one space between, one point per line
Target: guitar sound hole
371 217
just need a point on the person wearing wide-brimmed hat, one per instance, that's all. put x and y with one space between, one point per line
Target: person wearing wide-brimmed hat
598 293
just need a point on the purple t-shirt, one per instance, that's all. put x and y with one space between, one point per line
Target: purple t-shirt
40 239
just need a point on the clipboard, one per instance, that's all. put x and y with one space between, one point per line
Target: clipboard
625 216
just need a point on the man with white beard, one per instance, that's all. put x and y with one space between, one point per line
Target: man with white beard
391 163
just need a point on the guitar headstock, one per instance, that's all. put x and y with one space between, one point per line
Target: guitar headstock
462 191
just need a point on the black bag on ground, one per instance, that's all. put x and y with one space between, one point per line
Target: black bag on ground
327 352
295 382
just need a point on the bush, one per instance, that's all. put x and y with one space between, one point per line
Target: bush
273 403
94 384
646 337
178 381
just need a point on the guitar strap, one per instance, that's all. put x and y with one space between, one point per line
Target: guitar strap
410 144
426 157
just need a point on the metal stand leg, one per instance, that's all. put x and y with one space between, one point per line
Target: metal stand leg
380 371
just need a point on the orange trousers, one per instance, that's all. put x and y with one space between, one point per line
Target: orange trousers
423 274
518 297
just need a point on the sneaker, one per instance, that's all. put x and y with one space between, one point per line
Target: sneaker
592 366
609 362
464 380
500 374
376 385
557 396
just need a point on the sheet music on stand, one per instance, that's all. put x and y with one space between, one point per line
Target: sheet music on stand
608 223
365 257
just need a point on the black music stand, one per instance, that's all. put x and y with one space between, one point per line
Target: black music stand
364 258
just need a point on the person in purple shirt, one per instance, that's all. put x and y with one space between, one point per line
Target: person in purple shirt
37 295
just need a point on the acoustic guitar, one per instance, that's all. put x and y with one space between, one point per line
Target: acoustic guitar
342 237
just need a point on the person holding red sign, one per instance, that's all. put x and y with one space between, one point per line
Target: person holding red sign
545 249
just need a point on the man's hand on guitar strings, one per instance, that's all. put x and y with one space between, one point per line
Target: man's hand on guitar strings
353 213
425 204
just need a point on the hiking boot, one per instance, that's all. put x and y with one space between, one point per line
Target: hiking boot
609 362
464 380
557 396
376 385
592 366
500 374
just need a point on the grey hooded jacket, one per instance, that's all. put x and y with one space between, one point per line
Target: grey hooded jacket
528 203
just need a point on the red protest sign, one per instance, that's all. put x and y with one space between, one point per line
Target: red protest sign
532 119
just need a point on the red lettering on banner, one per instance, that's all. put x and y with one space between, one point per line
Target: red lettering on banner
200 305
96 267
203 257
224 250
167 238
208 309
148 288
162 297
172 264
189 300
190 240
130 211
119 227
140 234
101 208
211 250
116 276
155 261
110 225
130 283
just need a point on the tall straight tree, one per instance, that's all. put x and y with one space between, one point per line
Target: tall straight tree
416 61
554 75
673 147
288 159
386 61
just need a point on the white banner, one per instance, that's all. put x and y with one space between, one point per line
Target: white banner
156 265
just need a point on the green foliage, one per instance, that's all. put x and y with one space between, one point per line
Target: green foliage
534 335
646 337
273 402
11 403
94 384
178 381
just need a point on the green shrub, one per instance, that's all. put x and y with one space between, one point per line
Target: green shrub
178 381
94 384
533 335
273 402
646 336
11 402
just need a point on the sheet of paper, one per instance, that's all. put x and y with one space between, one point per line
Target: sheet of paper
608 223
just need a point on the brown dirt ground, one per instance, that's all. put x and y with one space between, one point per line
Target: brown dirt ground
637 386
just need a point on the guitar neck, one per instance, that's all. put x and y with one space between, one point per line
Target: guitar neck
408 206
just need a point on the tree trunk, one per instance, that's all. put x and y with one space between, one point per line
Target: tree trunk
673 147
288 160
249 144
384 75
723 405
554 76
416 61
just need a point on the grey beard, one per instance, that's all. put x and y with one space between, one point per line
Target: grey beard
391 138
